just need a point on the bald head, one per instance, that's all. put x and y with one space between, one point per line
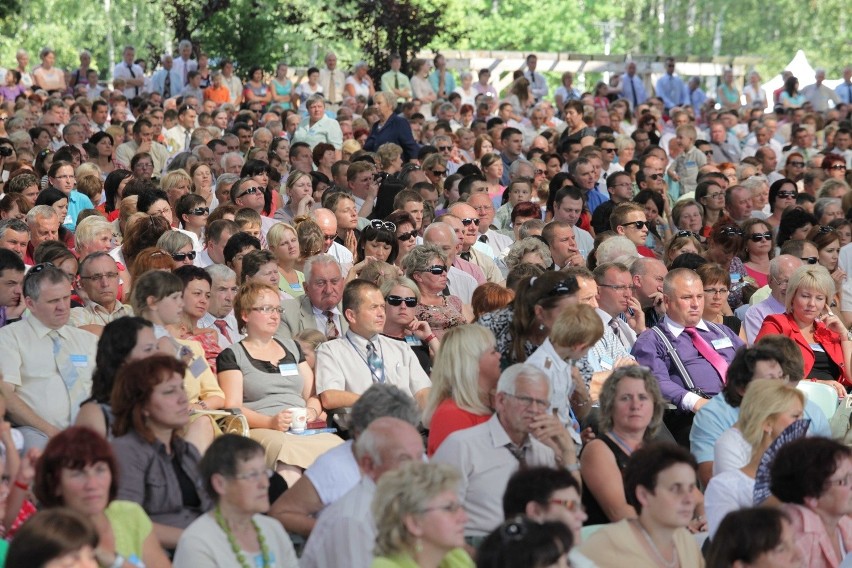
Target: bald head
780 269
386 444
327 222
444 237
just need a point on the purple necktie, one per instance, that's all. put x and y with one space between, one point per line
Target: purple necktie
708 353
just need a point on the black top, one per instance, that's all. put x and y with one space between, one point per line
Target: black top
593 509
422 353
733 322
824 368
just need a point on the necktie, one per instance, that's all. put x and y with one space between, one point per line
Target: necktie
633 88
483 238
167 85
377 366
186 139
332 92
466 256
613 324
222 325
849 91
132 74
66 368
717 361
396 80
331 330
518 454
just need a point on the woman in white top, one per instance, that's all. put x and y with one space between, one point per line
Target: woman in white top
466 90
359 83
768 407
754 93
421 88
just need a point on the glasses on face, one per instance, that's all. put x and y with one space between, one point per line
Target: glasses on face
451 508
386 225
708 152
98 277
199 211
254 476
608 150
439 173
810 259
716 195
716 291
796 164
484 208
468 220
395 301
618 287
655 177
269 309
636 224
786 194
251 191
569 504
528 401
328 238
540 173
758 237
405 237
839 167
445 148
436 269
181 256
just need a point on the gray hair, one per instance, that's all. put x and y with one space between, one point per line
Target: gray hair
41 212
775 265
419 259
755 182
387 96
226 179
173 241
318 259
317 98
822 203
221 272
532 225
514 169
13 224
34 278
447 107
184 43
616 249
382 400
526 246
509 378
261 130
165 56
224 161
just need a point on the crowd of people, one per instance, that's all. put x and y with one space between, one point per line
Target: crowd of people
421 323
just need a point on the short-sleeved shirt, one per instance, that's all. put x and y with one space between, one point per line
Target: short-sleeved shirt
130 527
324 130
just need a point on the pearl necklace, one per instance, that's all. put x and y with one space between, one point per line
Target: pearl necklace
667 563
264 550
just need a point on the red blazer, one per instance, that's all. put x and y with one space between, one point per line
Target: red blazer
784 324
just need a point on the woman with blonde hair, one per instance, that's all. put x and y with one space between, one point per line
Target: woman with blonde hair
311 240
768 408
176 184
401 295
299 192
284 244
419 519
464 375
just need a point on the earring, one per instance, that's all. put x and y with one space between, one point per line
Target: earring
418 546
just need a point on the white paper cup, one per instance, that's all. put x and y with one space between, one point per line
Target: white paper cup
298 419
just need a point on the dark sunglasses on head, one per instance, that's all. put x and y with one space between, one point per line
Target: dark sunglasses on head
386 225
563 288
810 259
251 191
824 229
411 302
757 237
786 194
468 220
199 211
436 269
181 256
406 236
687 234
637 224
731 232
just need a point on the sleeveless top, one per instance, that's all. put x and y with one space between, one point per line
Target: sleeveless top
593 509
267 388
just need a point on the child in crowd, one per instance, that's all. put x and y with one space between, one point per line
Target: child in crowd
519 190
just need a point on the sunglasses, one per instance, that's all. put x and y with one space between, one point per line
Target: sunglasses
637 224
436 269
439 173
731 232
395 301
564 288
608 150
796 164
839 167
468 220
708 152
655 177
406 236
445 149
810 259
199 211
758 237
825 229
181 256
251 191
687 234
386 225
786 194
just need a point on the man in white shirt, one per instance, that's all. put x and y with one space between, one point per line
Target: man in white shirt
184 64
215 238
632 88
98 274
235 86
327 222
487 234
472 250
819 95
220 309
332 80
134 77
567 208
345 533
538 84
177 137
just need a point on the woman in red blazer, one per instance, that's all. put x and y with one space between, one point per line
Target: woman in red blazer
822 337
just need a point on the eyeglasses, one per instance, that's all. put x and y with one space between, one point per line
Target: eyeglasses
328 238
708 152
825 229
786 194
716 291
655 177
251 191
439 173
468 220
571 505
540 173
436 269
528 401
483 208
451 508
254 476
98 277
716 195
269 309
810 259
839 167
386 225
618 287
758 237
199 211
637 224
444 149
731 232
404 237
395 301
608 150
796 164
181 256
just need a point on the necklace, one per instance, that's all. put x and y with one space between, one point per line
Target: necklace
667 563
264 550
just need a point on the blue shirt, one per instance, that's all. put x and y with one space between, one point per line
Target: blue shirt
76 202
449 82
672 90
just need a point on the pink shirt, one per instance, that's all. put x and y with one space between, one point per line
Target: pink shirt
812 540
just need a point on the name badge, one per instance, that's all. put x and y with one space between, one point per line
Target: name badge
288 369
723 343
413 341
691 164
198 366
606 363
80 360
296 286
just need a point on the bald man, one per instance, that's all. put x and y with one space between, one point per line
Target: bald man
327 222
444 237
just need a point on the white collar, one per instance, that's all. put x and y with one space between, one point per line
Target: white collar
676 329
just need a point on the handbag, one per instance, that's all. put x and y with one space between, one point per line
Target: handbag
229 420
